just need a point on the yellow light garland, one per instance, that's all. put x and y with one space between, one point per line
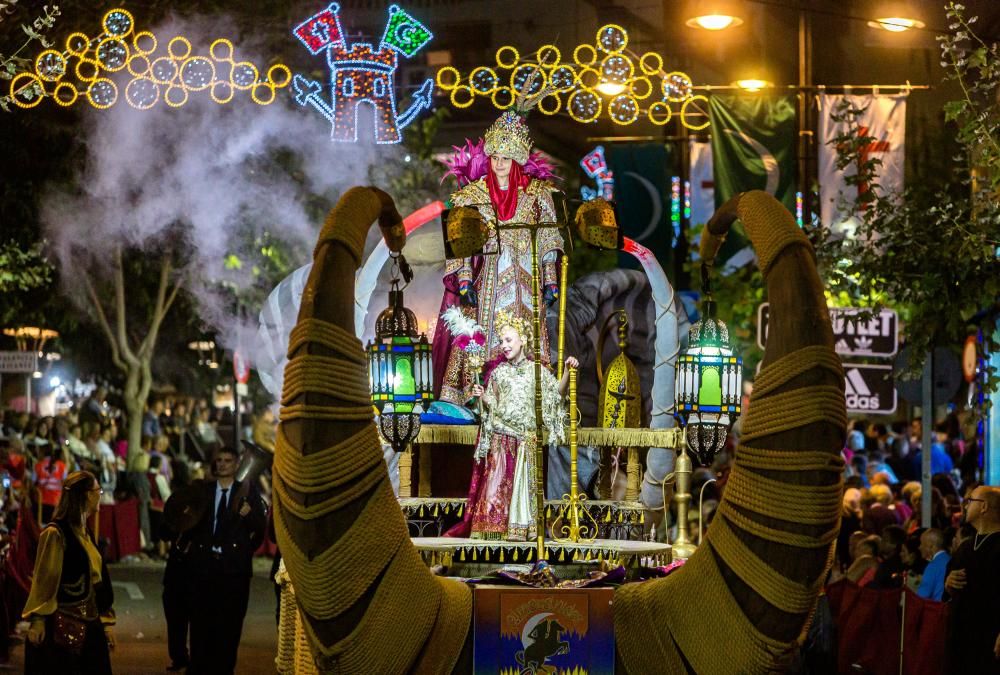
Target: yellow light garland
170 76
603 77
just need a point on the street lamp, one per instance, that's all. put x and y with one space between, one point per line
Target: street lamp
714 21
752 84
896 24
714 15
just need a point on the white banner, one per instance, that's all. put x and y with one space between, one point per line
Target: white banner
702 182
884 119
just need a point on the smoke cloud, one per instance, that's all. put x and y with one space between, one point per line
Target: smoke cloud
210 171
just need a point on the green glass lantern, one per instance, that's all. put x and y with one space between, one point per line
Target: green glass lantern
399 368
709 385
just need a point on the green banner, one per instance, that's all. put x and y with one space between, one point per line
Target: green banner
642 174
753 148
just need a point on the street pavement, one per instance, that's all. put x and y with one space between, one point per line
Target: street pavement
142 633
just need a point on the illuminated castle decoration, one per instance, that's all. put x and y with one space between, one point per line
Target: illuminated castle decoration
596 166
361 74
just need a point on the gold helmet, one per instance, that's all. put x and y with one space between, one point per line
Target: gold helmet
509 137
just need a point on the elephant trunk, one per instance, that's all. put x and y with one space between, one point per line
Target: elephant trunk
756 580
367 601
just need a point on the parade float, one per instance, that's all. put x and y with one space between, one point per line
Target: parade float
364 589
363 555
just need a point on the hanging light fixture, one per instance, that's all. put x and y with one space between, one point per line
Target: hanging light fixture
714 15
399 366
708 383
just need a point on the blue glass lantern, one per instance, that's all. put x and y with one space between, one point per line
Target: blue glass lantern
708 387
399 368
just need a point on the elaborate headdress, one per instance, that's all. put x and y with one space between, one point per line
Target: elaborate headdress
509 137
505 319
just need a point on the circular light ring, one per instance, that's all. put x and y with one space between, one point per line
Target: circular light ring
584 106
502 91
640 95
102 93
50 65
225 47
548 56
279 75
77 44
226 86
138 66
651 63
163 70
591 73
623 109
261 100
483 80
685 113
142 93
677 86
89 63
580 61
562 79
456 77
465 103
146 37
526 72
198 73
612 38
118 22
113 54
617 68
57 94
660 113
180 52
16 88
553 107
175 96
516 56
244 75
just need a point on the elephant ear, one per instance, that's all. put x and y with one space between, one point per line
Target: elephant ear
357 576
758 575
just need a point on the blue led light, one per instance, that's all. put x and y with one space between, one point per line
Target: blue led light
362 74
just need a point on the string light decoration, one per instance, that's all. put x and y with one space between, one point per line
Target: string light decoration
603 78
596 166
88 68
675 206
361 74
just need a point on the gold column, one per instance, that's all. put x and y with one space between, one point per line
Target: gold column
573 531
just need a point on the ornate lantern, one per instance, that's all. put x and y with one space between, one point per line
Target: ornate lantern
399 367
708 385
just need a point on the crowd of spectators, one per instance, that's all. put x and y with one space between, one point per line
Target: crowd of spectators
180 436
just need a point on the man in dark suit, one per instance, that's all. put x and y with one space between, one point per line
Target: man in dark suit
219 560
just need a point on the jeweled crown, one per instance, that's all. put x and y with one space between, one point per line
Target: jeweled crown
509 137
505 319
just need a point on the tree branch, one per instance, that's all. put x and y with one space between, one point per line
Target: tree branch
102 321
160 309
123 344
